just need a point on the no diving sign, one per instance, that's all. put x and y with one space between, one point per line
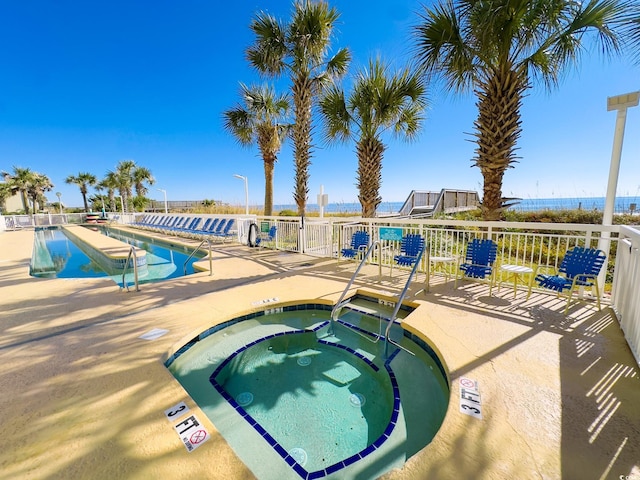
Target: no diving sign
470 403
189 429
191 433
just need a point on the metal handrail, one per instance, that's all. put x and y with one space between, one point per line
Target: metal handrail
342 302
387 340
132 253
184 267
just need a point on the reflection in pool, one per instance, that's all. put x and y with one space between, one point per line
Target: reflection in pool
56 255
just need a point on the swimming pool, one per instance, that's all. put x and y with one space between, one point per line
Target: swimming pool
295 402
57 255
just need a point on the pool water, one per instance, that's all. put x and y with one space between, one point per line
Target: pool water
292 380
55 255
294 401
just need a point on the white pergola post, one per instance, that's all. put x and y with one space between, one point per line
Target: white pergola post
620 103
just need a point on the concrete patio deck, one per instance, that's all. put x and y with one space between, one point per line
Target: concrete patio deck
83 396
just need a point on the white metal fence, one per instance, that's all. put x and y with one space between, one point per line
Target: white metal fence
625 298
528 244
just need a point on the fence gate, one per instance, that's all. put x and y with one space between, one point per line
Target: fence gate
317 239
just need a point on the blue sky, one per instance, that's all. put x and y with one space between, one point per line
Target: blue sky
84 85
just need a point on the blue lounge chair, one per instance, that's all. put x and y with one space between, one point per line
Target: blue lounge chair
170 223
579 268
411 246
219 228
358 245
225 232
203 228
189 227
212 227
479 262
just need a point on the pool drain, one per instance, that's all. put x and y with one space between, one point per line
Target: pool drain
244 399
357 399
304 361
299 455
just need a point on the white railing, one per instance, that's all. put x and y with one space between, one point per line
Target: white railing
525 243
16 222
625 298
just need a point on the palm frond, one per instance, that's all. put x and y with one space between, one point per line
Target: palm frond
267 54
337 120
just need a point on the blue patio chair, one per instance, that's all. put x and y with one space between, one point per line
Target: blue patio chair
411 246
579 268
268 237
479 261
359 244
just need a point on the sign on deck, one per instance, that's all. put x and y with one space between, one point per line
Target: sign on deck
393 234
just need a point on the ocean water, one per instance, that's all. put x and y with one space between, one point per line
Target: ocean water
622 205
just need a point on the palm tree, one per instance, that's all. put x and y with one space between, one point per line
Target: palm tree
259 120
378 102
141 175
39 185
124 175
20 181
299 48
110 184
83 180
5 192
498 49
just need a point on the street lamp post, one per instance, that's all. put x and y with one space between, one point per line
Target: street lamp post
166 210
246 192
59 195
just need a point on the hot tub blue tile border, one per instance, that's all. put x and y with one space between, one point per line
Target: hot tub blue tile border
370 449
276 446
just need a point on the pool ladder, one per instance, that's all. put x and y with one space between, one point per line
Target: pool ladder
132 254
184 266
387 340
342 302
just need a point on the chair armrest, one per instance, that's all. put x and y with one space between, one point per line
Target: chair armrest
544 269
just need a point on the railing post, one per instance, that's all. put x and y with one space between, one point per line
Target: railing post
210 259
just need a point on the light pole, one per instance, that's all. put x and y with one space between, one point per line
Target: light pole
166 210
246 192
620 103
59 195
121 203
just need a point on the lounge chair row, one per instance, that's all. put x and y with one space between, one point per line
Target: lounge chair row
193 227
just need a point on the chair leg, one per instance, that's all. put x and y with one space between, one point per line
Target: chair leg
492 279
569 295
530 285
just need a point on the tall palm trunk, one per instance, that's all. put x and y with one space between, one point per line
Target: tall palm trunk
498 128
84 199
269 165
302 97
370 152
25 201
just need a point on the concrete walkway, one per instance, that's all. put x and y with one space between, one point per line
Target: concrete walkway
83 396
